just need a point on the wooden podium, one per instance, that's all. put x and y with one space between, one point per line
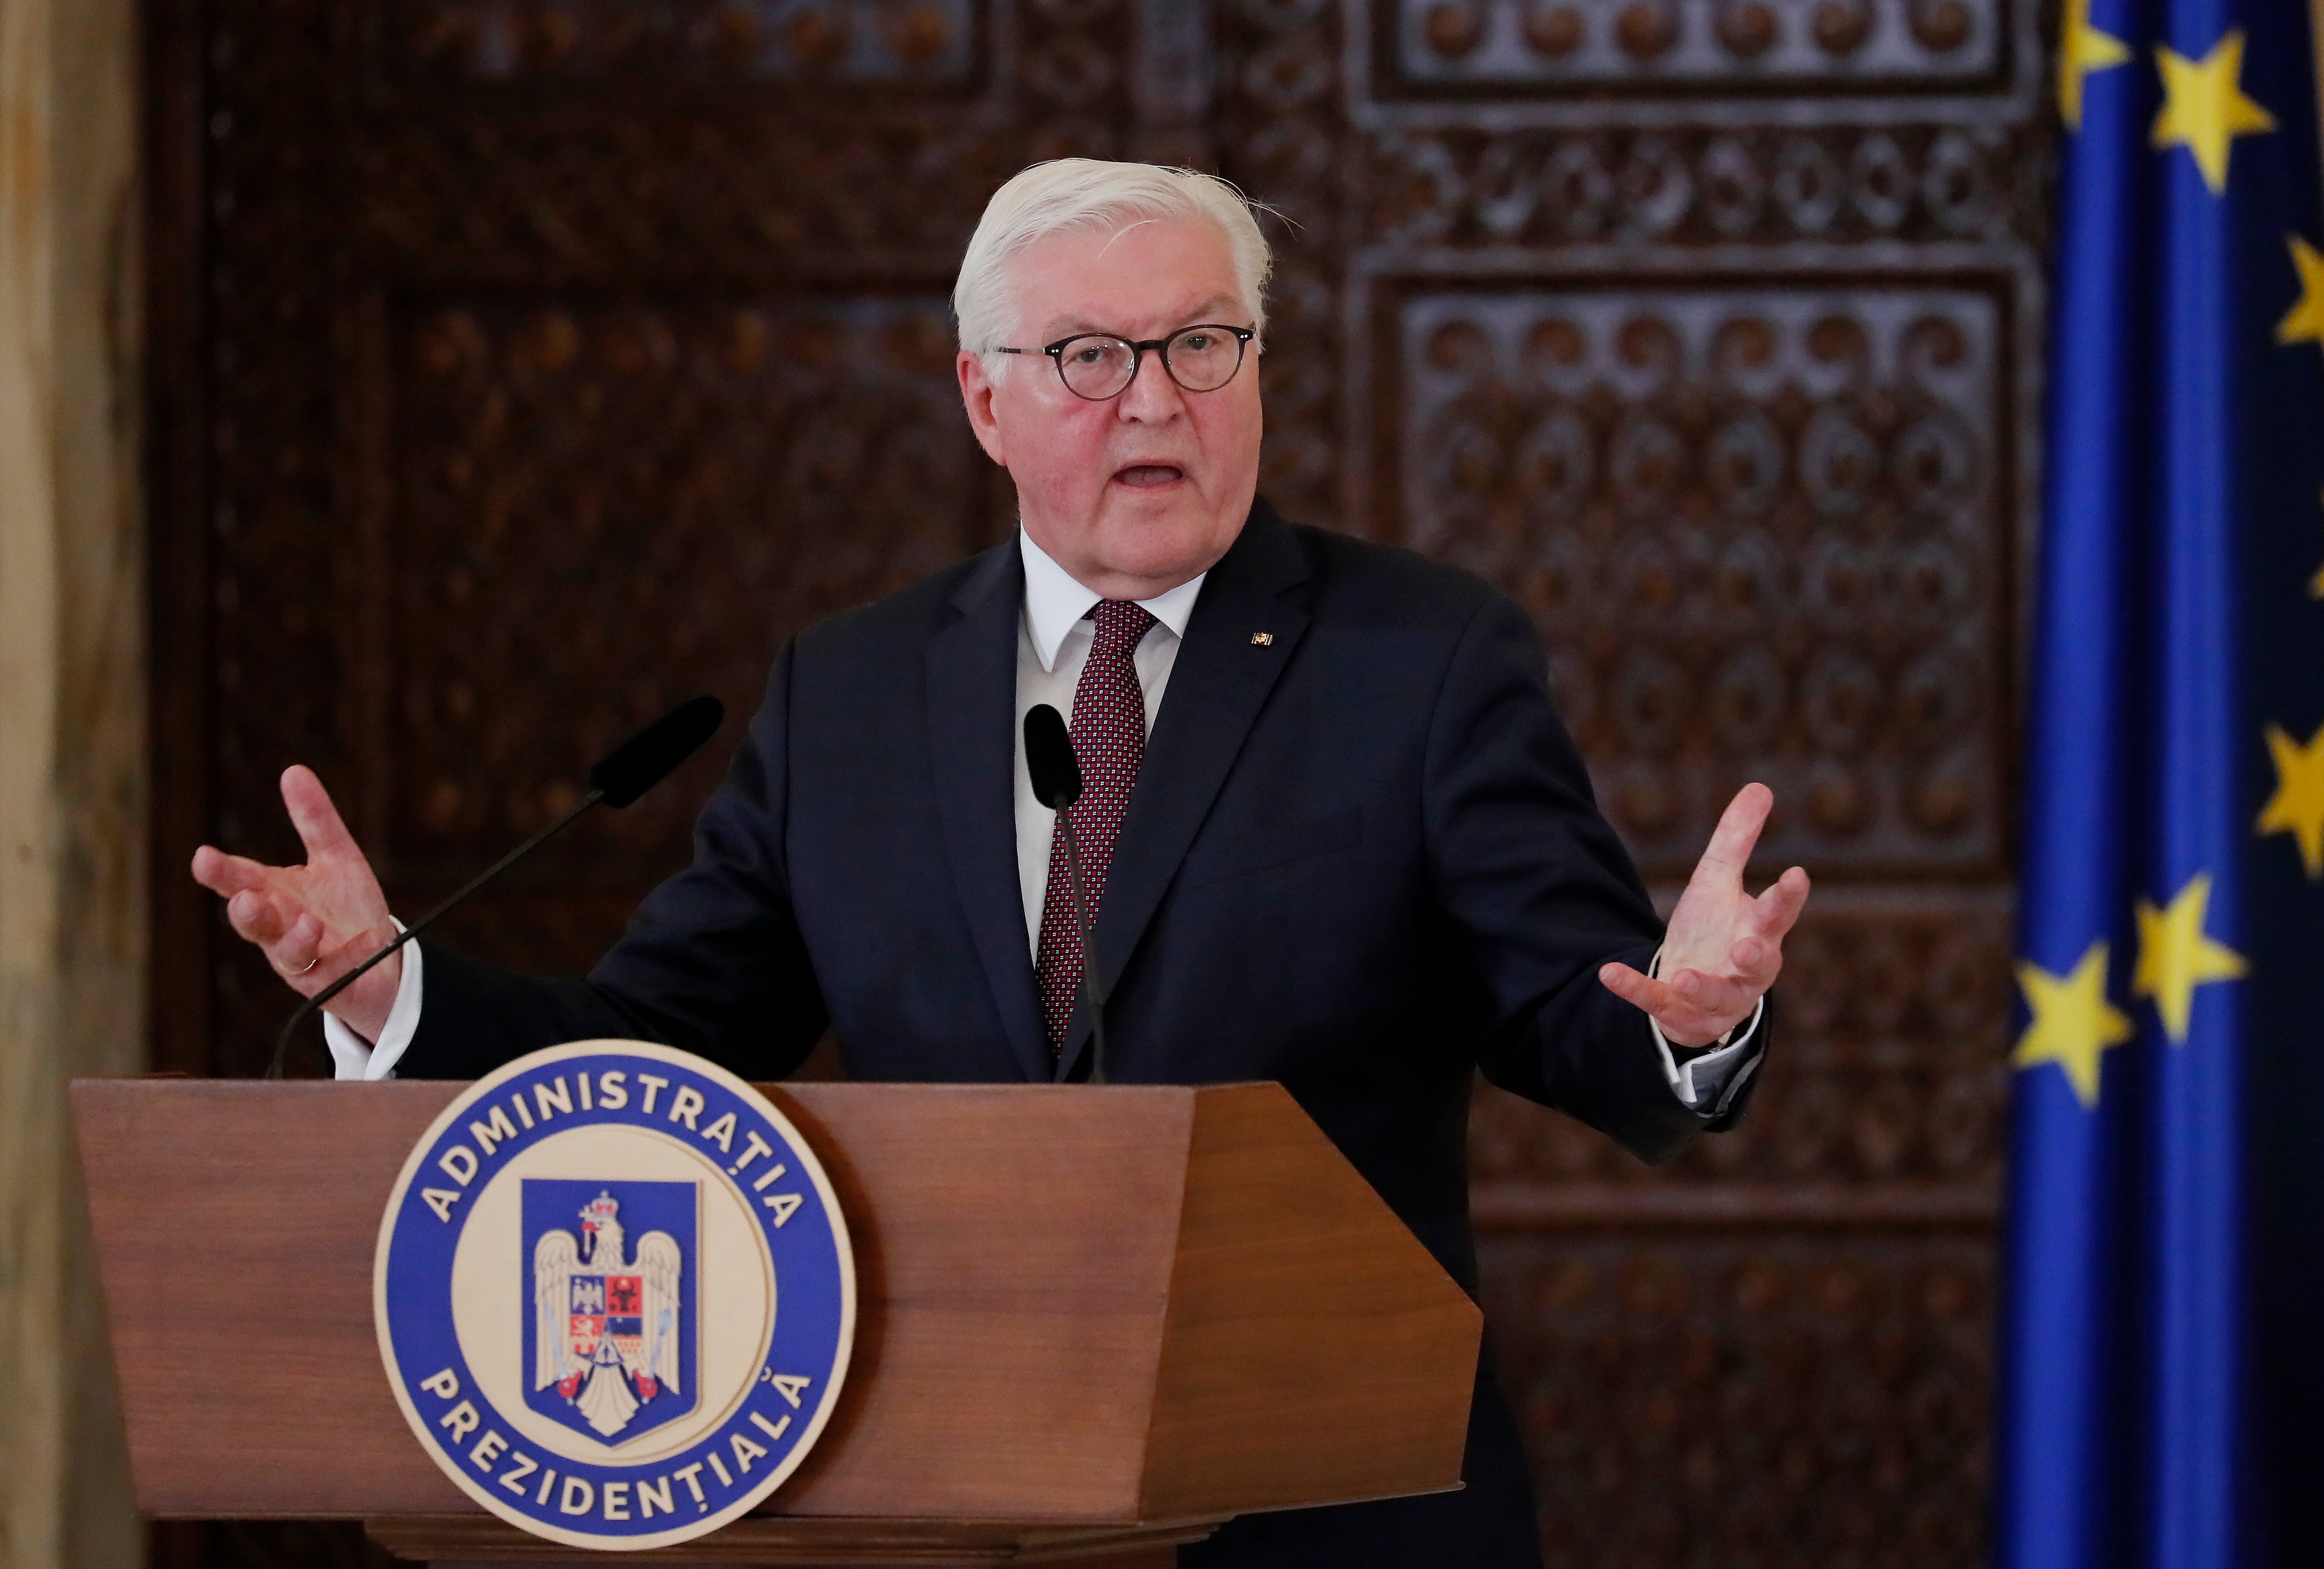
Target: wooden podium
1094 1323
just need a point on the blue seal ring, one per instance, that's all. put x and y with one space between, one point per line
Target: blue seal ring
595 1389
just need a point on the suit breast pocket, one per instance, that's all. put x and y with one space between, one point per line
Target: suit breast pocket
1246 854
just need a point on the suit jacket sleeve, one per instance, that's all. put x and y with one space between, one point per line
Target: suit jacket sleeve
1540 892
712 962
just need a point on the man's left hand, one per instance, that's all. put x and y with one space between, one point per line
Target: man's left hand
1723 949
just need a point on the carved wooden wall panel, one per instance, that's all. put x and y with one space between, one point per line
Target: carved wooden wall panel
523 365
1741 1398
1728 47
672 485
600 40
1754 526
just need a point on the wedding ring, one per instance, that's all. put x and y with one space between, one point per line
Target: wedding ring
310 964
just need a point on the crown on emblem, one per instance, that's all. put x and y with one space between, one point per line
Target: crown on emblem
603 1207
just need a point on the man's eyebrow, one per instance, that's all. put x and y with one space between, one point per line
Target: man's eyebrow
1068 325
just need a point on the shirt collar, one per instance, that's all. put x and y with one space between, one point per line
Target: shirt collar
1054 602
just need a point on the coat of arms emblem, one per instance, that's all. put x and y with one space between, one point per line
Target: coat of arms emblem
575 1286
612 1318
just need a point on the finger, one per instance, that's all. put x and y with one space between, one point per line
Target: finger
1692 1009
1774 912
226 874
320 827
1732 842
293 954
1705 997
1756 962
255 917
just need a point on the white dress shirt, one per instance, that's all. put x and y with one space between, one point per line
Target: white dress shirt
1053 645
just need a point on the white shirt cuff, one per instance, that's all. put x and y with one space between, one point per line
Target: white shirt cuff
1708 1082
351 1055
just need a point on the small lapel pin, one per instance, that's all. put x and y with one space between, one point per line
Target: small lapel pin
1262 639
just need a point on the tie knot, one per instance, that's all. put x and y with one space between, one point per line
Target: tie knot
1120 623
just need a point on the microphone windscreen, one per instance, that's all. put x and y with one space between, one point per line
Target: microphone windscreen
649 757
1049 759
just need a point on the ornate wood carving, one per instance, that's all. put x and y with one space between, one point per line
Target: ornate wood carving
915 42
523 364
1768 1398
671 487
1702 186
1729 46
1755 528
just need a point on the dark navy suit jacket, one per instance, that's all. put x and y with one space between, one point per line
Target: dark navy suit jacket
1361 859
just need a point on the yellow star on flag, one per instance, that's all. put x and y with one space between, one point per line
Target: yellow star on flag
2297 807
2174 957
2204 109
2081 49
2305 323
2072 1022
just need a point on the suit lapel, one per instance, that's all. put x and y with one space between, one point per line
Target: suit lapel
971 715
1218 685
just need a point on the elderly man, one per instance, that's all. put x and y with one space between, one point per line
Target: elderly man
1333 832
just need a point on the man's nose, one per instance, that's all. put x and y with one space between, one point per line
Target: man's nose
1151 395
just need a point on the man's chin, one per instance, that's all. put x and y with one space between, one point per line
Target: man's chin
1171 535
1174 508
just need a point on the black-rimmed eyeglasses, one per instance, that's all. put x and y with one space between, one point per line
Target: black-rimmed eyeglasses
1098 366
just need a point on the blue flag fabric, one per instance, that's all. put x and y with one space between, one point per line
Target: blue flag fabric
2163 1372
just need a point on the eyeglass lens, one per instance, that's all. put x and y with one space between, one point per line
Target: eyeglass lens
1201 359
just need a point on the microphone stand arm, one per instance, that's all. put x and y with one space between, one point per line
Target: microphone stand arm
306 1009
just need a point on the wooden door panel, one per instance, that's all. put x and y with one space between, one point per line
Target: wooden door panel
1763 531
595 42
1658 48
1808 1399
644 493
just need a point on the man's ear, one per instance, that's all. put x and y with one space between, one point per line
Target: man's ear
976 395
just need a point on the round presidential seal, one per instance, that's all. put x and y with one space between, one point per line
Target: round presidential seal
614 1295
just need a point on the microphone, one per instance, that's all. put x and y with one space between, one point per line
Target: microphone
617 778
1057 784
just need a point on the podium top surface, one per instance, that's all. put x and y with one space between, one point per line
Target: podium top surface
1089 1306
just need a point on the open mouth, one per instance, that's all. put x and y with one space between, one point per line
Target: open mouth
1145 476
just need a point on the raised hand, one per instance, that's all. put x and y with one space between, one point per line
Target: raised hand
1723 949
314 922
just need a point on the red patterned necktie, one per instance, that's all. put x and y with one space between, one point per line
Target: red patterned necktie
1108 732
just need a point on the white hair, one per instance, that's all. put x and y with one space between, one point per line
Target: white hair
1092 195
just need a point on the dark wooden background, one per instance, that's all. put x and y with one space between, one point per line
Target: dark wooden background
521 367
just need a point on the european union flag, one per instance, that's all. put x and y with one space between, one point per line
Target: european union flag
2163 1342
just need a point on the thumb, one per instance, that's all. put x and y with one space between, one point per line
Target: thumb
312 812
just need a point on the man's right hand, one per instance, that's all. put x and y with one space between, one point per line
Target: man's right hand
314 922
